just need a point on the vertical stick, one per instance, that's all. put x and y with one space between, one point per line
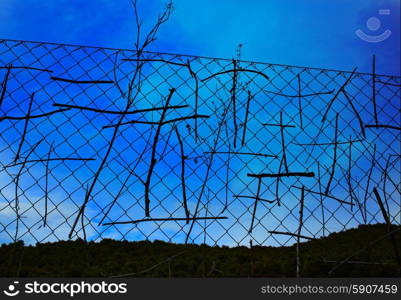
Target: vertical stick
80 213
228 167
196 98
301 212
349 172
388 222
256 203
47 185
83 216
321 196
374 89
299 101
207 172
278 182
115 74
233 95
356 113
251 256
384 183
334 157
206 214
153 157
109 148
138 160
283 142
103 162
167 141
327 110
183 157
25 128
368 183
4 84
17 178
246 117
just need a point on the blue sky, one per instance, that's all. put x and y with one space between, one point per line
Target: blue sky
304 32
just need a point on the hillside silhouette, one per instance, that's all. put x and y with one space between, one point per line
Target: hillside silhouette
160 259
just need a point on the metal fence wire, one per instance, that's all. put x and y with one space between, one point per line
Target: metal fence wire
211 150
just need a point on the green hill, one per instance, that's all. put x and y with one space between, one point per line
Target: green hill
151 259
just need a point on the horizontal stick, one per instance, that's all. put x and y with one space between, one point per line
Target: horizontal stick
290 174
296 96
164 219
28 68
49 159
279 125
235 70
242 153
383 126
388 83
325 195
329 144
118 112
158 123
292 234
34 116
81 81
253 197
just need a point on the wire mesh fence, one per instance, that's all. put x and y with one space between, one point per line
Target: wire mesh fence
211 151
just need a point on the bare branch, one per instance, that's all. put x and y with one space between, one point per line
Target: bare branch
183 157
291 234
334 157
34 116
388 223
338 93
153 157
163 220
236 70
290 174
25 128
27 68
82 81
255 204
383 126
159 123
246 117
119 112
4 83
242 153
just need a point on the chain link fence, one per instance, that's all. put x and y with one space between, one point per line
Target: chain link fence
212 151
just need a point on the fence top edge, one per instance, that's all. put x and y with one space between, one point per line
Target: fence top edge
197 57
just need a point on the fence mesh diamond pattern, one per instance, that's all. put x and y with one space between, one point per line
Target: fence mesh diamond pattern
211 150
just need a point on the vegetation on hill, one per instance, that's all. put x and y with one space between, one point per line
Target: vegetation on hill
160 259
